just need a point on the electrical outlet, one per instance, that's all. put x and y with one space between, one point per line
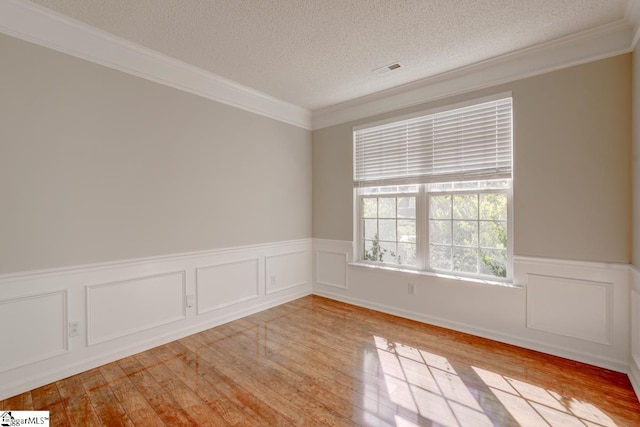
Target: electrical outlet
191 300
74 329
273 280
411 289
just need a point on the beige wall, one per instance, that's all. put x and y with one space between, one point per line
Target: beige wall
97 165
572 179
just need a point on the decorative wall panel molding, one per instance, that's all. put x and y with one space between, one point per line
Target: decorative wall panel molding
573 308
115 310
222 285
286 270
331 268
33 328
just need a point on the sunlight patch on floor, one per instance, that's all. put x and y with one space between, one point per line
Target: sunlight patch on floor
424 388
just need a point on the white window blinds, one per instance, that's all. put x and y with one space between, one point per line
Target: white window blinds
462 144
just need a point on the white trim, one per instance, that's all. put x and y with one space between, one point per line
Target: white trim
480 332
346 269
635 277
632 15
91 340
65 327
26 275
533 323
341 243
200 312
587 46
45 27
268 290
571 263
634 375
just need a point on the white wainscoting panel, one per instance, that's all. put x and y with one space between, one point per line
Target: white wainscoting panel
226 284
125 307
331 268
573 308
33 328
331 265
115 310
286 270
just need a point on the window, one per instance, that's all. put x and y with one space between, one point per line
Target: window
433 192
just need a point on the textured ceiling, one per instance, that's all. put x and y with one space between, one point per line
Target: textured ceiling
318 53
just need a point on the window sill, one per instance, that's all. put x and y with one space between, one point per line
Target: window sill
506 284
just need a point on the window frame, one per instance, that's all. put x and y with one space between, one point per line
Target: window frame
360 228
423 255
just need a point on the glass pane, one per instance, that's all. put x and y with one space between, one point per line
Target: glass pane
406 207
370 229
388 252
387 229
369 207
493 206
493 262
494 183
493 234
465 233
370 190
389 189
368 251
406 230
373 251
408 189
465 206
440 186
440 207
387 207
466 185
440 232
465 259
406 253
440 257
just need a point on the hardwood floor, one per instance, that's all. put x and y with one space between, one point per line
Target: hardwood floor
316 361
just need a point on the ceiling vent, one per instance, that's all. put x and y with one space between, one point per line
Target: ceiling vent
387 68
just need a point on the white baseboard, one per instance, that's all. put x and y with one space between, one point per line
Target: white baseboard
153 301
634 375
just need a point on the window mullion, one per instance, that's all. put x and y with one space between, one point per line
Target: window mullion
422 228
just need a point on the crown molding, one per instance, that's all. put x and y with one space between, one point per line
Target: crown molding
36 24
590 45
633 17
